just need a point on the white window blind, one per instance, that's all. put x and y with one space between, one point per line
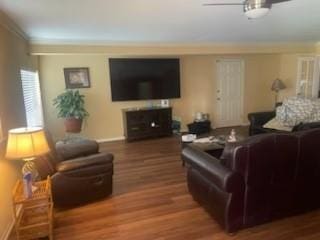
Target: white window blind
32 98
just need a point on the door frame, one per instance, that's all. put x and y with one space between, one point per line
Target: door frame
242 84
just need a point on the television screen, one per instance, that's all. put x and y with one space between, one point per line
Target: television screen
142 79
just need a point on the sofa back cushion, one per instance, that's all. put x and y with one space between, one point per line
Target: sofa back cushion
46 165
76 149
308 170
268 164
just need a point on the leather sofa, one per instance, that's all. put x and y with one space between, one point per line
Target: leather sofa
258 119
79 172
263 178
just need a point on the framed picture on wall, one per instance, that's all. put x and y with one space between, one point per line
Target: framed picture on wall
77 77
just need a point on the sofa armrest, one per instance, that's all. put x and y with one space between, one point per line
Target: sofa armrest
77 149
85 162
260 118
210 167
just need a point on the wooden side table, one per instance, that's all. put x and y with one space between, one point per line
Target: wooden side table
33 216
199 127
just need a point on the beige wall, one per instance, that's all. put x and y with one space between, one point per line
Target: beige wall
13 56
199 84
8 175
198 89
288 74
264 63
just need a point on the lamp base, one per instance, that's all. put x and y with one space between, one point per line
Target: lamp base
30 175
30 167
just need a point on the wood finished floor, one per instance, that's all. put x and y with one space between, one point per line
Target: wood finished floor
151 202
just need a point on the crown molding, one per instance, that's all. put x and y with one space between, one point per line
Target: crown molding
74 42
10 25
129 49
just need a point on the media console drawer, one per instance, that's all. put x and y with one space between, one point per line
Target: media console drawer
148 122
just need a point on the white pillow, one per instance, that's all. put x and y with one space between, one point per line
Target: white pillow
275 124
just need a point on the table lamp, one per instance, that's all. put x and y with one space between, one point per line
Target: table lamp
277 85
27 144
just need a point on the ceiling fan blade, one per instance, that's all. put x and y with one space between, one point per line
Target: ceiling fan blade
223 4
277 1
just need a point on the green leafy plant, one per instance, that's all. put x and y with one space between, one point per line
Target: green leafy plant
70 104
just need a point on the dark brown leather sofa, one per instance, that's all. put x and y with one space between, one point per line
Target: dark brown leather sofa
263 178
79 172
258 119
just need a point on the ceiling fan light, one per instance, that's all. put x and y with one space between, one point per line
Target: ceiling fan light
257 13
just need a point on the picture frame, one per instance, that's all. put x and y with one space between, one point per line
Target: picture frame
77 77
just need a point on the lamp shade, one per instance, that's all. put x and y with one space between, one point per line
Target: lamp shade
277 85
26 143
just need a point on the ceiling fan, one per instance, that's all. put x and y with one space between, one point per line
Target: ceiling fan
252 8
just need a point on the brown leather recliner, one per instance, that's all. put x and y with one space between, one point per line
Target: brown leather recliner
79 172
265 177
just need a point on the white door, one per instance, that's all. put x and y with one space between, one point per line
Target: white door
230 77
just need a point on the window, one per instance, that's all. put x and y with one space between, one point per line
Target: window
308 76
32 98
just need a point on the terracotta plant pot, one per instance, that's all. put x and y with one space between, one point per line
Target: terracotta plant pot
73 125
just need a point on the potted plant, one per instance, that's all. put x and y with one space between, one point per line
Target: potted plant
70 105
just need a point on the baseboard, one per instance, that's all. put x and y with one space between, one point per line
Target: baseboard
103 140
182 130
244 124
7 232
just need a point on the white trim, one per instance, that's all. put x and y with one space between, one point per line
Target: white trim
184 130
103 140
242 61
7 232
122 48
245 124
10 226
12 26
83 42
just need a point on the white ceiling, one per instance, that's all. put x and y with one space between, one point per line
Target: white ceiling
161 21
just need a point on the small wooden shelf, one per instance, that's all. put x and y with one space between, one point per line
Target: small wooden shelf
33 216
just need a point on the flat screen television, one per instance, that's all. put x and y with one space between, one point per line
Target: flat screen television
143 79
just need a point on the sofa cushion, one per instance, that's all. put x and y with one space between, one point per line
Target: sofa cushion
275 124
77 149
295 110
85 162
280 173
308 171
